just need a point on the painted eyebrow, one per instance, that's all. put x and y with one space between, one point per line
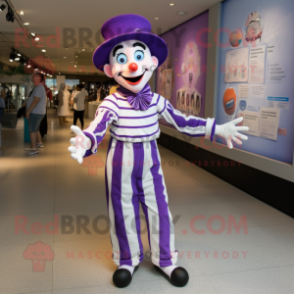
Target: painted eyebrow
116 48
139 44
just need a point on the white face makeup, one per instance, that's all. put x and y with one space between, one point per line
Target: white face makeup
131 65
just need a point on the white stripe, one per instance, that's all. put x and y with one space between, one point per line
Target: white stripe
172 229
151 203
114 239
190 130
126 200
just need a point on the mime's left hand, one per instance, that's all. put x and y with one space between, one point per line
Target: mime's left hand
230 132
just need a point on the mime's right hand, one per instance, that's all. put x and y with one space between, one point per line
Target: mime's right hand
80 144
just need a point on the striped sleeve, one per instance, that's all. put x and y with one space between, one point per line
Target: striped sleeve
189 125
105 115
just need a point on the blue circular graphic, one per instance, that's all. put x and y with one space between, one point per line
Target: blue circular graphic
243 105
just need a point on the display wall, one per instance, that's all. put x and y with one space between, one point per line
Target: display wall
182 77
256 73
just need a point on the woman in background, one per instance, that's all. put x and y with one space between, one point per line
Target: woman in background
63 101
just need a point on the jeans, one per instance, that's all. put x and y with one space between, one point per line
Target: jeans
1 113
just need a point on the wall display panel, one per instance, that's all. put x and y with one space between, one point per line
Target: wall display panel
182 77
256 73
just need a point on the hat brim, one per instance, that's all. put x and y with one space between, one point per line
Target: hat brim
157 47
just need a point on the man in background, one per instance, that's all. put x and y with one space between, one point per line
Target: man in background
79 104
35 112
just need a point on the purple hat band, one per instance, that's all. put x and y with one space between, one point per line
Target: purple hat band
128 27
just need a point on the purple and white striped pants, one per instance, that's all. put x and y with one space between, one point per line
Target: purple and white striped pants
134 176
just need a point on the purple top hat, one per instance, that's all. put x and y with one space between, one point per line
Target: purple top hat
128 27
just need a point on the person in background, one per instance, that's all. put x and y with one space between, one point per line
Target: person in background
2 102
79 105
73 95
63 103
35 111
86 91
44 124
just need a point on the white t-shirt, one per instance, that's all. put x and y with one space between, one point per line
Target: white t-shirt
79 101
85 91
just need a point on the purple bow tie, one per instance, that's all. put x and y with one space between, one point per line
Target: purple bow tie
139 101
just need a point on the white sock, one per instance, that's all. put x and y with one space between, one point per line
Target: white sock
168 269
128 267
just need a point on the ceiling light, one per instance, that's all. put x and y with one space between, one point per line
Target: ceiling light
33 34
21 12
83 49
64 57
37 39
171 4
43 50
75 66
2 7
26 23
16 58
156 18
18 54
11 60
28 66
182 13
76 57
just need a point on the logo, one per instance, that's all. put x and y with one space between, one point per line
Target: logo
93 163
38 253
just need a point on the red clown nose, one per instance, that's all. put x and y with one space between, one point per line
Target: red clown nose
133 66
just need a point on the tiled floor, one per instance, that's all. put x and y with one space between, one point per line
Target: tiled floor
37 190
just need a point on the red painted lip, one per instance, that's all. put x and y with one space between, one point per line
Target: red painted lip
134 80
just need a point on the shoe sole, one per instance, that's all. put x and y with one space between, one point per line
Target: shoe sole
33 153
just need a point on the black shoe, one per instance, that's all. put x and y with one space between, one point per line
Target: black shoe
179 276
122 277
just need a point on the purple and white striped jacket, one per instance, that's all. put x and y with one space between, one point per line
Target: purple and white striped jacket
128 124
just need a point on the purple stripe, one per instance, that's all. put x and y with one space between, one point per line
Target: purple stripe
164 223
137 177
145 210
212 131
182 122
157 99
137 117
136 127
126 108
109 109
134 136
194 135
111 102
90 136
106 179
102 126
163 108
125 254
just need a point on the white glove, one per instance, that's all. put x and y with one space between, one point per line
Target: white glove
229 131
81 143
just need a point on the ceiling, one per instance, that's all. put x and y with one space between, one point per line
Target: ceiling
45 17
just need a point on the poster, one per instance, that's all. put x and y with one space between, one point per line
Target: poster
182 77
265 98
236 65
256 64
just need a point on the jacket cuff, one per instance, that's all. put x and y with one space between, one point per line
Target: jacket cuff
93 149
210 128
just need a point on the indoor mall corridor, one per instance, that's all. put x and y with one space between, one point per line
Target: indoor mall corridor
75 258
